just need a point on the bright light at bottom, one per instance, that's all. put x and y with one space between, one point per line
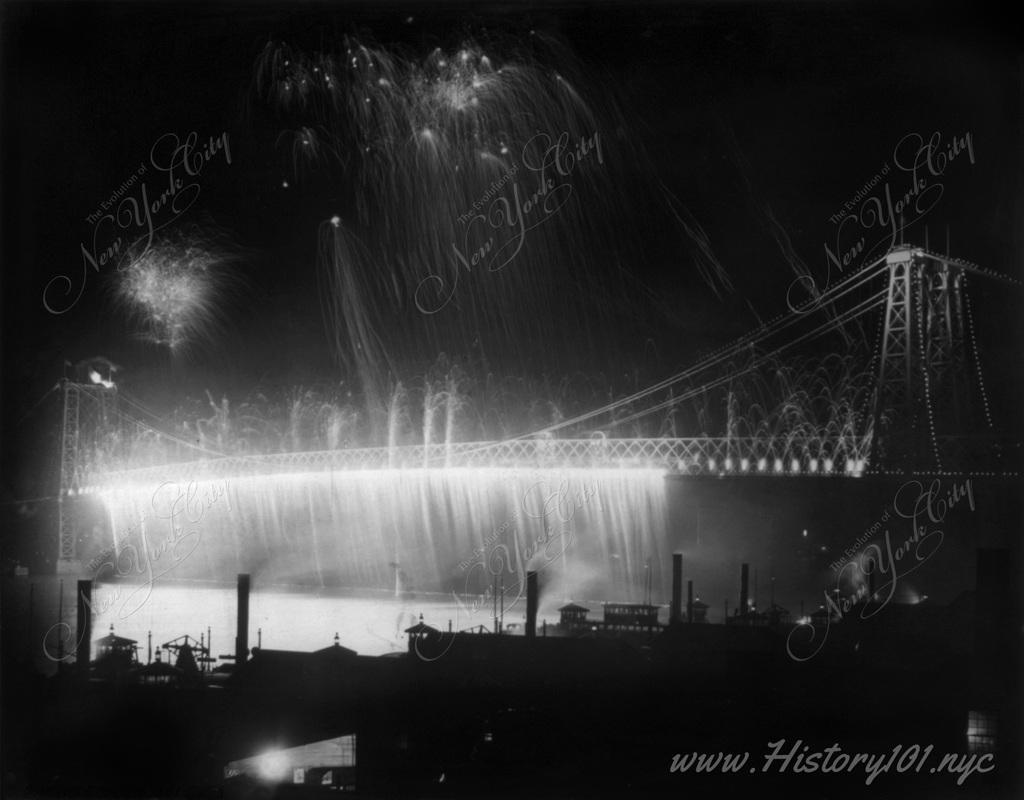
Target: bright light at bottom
273 765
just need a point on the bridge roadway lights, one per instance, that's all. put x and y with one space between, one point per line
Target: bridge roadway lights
686 456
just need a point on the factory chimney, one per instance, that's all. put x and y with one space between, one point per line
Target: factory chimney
531 604
242 632
675 612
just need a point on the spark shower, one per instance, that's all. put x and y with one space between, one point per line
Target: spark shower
409 271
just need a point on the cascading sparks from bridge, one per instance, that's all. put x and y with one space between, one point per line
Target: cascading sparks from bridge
590 532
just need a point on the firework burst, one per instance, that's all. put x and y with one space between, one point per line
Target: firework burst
172 290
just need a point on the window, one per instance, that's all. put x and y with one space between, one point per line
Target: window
981 731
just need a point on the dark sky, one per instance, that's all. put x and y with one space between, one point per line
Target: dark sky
741 108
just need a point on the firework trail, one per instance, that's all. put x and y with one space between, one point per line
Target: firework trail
818 404
486 205
173 289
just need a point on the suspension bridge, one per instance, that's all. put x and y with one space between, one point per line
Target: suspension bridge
926 409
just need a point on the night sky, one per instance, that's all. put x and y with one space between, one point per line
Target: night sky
744 111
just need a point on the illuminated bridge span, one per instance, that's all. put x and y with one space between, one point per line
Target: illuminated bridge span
924 410
701 456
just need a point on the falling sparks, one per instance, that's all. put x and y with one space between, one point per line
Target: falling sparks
415 143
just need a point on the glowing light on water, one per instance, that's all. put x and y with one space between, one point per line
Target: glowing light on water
287 618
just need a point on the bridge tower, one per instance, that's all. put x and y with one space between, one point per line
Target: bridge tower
922 403
92 404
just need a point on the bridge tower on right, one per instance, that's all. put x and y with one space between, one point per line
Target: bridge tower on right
930 407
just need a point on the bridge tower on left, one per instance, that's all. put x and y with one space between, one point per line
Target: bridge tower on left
85 407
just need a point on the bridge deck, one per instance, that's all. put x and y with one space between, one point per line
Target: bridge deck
695 456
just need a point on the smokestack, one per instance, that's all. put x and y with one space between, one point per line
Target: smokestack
83 627
744 591
242 631
531 604
677 589
689 601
